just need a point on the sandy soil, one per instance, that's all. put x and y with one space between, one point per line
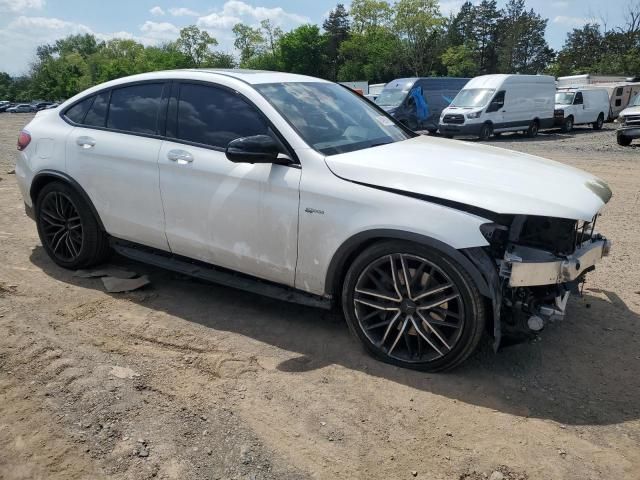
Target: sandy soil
187 380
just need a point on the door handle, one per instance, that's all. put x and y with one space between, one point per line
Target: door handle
85 142
180 156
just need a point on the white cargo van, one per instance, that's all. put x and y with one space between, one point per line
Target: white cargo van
492 104
580 106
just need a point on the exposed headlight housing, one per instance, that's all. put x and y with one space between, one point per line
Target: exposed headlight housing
620 119
474 114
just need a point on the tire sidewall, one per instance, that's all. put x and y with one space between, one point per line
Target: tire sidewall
90 229
474 318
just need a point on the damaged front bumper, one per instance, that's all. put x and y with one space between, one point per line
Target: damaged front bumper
528 267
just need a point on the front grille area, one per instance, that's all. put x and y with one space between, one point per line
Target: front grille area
632 120
454 118
558 235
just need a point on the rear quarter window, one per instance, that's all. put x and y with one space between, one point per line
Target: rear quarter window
77 112
97 114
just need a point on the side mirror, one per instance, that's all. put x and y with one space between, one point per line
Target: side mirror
256 149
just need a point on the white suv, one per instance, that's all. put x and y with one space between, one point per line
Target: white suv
299 189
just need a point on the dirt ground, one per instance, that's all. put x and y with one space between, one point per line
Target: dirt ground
187 380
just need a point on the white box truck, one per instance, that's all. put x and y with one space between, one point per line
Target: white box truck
492 104
581 106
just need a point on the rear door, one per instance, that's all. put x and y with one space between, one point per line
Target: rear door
113 153
235 215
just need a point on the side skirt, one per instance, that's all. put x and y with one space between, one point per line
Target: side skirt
210 273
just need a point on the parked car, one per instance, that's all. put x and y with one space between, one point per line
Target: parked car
4 105
418 102
493 104
41 105
423 243
629 123
580 106
22 108
53 105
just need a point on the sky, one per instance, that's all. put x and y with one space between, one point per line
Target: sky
25 24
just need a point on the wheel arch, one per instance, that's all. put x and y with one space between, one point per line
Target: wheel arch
353 246
44 177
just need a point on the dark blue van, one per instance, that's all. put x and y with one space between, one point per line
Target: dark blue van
418 102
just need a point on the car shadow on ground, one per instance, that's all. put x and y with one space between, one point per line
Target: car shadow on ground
582 370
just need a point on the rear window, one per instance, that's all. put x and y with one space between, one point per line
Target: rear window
97 114
76 113
135 108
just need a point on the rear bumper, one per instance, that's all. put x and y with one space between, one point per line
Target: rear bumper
531 267
471 129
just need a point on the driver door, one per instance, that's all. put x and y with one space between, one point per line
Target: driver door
235 215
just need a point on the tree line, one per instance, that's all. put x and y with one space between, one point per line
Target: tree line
374 40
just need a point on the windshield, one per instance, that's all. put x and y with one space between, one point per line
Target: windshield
331 118
391 97
564 98
473 97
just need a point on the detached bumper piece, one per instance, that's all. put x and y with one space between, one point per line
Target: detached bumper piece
528 267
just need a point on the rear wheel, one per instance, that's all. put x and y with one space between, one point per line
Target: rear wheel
597 125
567 126
485 131
68 230
412 306
532 131
623 140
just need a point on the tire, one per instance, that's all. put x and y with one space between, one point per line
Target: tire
485 132
432 131
448 137
597 125
68 230
403 334
532 131
567 126
622 140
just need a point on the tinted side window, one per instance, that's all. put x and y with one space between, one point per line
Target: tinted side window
578 100
213 116
135 108
97 114
77 112
619 92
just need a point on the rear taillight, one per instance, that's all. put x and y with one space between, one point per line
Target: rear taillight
23 140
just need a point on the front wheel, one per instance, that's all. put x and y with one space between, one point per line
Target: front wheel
485 132
68 230
412 306
567 126
623 140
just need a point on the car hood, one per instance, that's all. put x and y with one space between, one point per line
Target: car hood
630 111
501 181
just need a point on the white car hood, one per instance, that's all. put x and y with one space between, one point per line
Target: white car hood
501 181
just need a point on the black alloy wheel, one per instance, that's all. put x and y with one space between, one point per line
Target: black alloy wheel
412 307
61 226
69 231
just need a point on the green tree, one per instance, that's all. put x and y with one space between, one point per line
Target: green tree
249 41
196 45
459 61
302 51
337 27
523 48
372 55
370 14
420 26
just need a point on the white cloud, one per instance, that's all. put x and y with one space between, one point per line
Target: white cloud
44 25
156 11
159 30
20 5
220 22
217 21
560 4
571 21
183 12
